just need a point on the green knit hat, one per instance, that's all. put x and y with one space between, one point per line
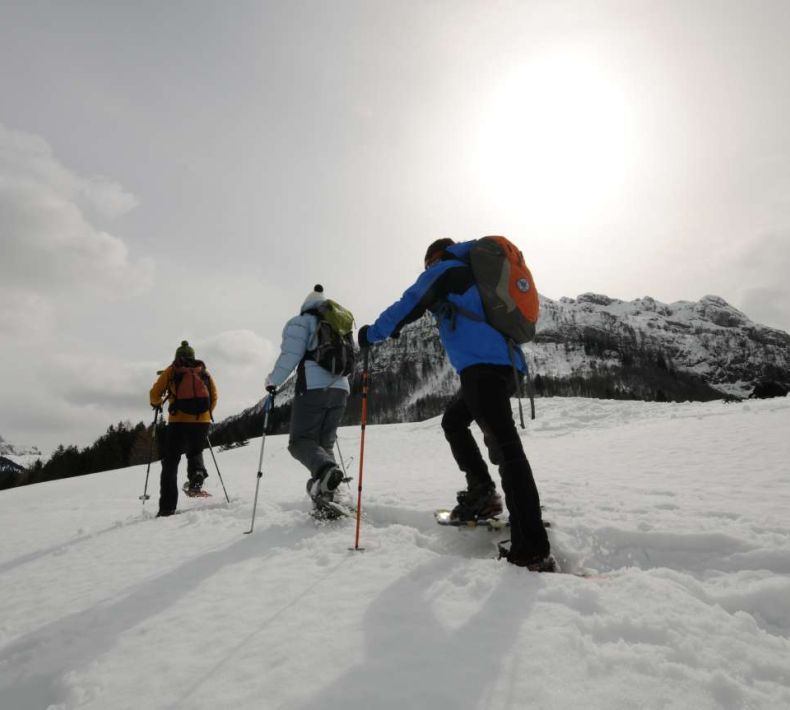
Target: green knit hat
185 350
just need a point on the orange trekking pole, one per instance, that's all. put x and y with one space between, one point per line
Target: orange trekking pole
364 421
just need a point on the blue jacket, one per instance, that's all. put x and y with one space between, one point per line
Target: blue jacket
468 341
299 336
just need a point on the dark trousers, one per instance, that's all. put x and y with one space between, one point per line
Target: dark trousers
485 398
180 438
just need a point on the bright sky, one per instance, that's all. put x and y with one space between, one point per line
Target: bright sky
190 169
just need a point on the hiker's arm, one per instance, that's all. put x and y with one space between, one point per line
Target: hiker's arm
212 392
431 287
293 348
159 389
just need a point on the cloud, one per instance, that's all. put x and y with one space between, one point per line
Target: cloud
239 361
109 384
237 348
101 390
768 306
24 314
27 158
765 291
49 247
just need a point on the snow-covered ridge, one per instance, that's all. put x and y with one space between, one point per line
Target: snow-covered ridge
708 344
7 449
23 456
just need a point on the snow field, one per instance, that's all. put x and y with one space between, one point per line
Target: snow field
678 511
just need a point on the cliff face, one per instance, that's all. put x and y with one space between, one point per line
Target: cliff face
645 349
592 346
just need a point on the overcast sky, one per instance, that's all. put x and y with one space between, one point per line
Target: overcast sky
175 170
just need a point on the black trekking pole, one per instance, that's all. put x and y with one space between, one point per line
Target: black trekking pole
267 407
364 421
145 495
211 449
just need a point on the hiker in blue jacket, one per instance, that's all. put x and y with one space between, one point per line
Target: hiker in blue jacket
486 364
318 405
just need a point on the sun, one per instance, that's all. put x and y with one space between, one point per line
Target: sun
558 141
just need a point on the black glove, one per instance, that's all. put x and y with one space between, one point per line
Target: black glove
271 389
362 337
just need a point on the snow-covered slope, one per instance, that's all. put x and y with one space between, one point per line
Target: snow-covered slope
681 511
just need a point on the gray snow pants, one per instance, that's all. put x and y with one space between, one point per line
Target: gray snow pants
315 416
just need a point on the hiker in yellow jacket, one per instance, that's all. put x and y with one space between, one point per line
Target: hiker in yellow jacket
191 395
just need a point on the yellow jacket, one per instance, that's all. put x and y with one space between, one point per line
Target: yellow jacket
163 390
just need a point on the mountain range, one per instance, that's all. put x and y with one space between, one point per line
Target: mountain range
590 346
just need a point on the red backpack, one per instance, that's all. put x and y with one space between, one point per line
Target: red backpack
510 299
190 390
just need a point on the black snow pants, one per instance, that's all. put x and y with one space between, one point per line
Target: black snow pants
180 438
485 398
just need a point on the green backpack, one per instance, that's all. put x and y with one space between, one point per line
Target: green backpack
335 351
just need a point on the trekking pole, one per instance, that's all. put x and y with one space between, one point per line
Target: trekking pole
267 407
346 478
211 449
364 421
145 495
511 346
530 391
342 461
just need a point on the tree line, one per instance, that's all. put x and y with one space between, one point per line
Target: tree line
123 444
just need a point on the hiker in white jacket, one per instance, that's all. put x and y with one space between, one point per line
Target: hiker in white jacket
319 402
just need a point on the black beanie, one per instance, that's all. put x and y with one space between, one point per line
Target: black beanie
436 248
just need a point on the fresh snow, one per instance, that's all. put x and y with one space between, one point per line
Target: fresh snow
679 514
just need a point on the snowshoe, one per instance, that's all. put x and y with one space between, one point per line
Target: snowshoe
445 517
195 491
327 509
479 503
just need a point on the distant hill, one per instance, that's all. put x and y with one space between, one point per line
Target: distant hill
9 472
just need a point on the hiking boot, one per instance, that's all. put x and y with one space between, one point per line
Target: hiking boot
325 483
192 488
194 483
533 562
196 479
477 504
165 513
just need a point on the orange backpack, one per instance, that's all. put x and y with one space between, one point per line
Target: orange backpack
510 299
191 388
